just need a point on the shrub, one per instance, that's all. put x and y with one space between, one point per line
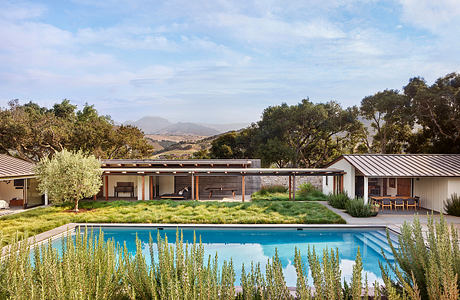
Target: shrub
338 200
357 208
271 189
452 205
425 271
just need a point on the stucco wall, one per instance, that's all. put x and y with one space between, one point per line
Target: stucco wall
433 191
8 191
284 180
348 178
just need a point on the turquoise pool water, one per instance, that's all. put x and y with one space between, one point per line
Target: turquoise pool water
258 245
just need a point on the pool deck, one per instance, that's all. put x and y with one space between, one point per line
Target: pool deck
393 220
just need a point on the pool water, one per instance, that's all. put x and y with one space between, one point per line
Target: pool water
257 245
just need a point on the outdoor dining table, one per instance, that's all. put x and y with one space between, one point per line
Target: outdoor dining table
378 199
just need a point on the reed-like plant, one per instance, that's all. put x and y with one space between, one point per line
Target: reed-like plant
428 270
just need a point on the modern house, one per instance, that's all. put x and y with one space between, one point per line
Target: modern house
432 177
18 186
205 178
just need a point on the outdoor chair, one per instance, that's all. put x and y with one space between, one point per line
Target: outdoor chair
398 202
183 194
386 203
411 203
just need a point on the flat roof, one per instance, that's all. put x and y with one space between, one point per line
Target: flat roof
225 171
405 165
177 162
11 167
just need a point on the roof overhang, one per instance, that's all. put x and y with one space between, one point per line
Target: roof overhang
224 171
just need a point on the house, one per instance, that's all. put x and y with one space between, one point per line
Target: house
432 177
18 185
147 179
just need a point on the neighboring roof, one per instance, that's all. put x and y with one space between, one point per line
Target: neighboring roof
183 162
11 167
225 171
406 165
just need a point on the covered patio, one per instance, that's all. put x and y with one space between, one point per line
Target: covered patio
197 179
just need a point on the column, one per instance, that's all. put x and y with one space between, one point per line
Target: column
290 182
293 185
243 188
193 186
366 189
46 198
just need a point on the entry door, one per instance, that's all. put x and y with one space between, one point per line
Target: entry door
359 186
404 186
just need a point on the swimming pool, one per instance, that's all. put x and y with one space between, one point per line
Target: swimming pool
258 244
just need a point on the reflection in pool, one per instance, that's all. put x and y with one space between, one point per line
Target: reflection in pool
258 245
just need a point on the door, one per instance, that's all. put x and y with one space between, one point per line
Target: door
359 186
404 188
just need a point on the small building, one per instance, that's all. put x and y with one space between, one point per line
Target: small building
146 179
18 185
432 177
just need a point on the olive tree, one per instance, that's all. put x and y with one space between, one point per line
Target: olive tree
69 176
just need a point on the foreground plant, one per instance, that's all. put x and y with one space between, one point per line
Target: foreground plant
425 271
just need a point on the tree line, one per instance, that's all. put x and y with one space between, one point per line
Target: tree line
33 132
420 118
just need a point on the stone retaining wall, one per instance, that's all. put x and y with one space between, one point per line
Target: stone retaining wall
316 181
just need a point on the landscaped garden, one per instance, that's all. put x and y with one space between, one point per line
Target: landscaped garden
305 192
260 212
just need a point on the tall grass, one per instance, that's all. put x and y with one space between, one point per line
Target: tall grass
338 200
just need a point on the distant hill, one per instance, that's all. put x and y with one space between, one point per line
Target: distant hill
151 124
186 128
162 126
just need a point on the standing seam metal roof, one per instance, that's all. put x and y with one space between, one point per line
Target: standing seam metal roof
15 167
406 165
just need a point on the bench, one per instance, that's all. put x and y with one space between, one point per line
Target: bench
124 187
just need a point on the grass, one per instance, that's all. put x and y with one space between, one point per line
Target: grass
260 212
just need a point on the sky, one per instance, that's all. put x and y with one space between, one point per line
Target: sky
219 61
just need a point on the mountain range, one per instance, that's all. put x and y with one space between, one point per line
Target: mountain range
159 125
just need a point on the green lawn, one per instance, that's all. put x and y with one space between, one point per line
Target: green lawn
260 212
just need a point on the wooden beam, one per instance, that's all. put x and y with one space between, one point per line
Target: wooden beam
197 188
341 183
143 187
243 191
106 188
151 187
290 187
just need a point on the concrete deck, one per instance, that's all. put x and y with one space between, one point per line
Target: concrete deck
393 220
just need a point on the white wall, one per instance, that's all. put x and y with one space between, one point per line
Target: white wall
166 184
146 187
453 186
113 179
433 191
348 178
8 191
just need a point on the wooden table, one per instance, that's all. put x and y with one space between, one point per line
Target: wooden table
213 189
378 198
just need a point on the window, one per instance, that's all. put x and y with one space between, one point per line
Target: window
392 182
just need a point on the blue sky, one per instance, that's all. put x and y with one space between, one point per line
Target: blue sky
219 61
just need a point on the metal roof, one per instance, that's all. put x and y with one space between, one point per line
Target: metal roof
406 165
11 167
224 171
177 162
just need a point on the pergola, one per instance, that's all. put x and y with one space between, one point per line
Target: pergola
197 172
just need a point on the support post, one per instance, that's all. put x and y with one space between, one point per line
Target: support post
143 187
290 182
366 190
193 186
150 187
243 188
47 200
25 194
106 188
197 188
341 183
293 191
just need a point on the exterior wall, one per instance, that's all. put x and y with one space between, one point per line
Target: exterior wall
113 179
8 191
252 184
316 181
433 191
348 178
146 187
453 186
166 184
